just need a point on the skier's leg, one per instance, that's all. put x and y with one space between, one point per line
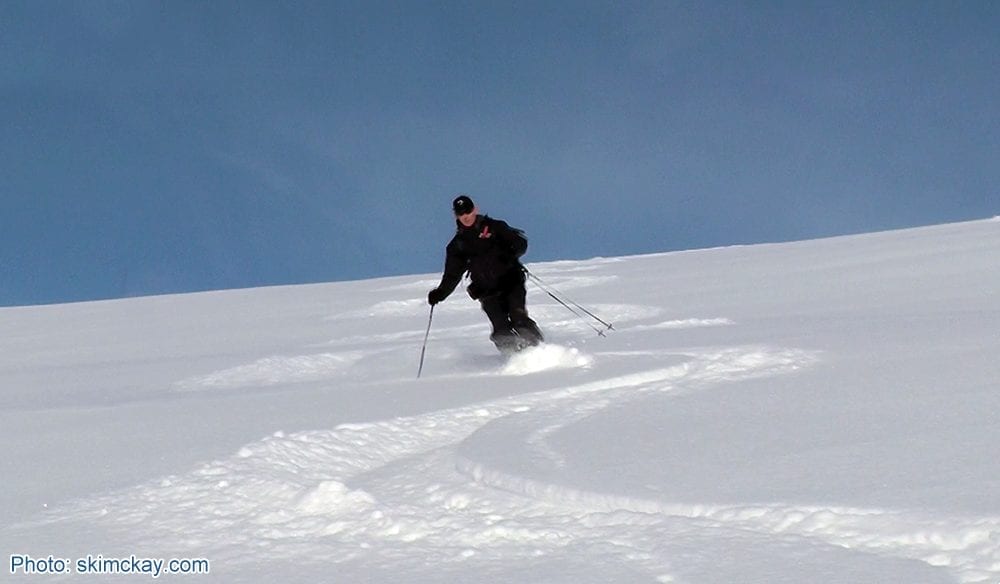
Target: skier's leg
526 328
496 310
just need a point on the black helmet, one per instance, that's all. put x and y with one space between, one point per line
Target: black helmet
462 205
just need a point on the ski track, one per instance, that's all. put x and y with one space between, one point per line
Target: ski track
425 491
274 370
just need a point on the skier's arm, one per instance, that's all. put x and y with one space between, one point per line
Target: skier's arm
512 239
454 269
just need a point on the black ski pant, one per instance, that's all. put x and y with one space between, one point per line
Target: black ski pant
509 317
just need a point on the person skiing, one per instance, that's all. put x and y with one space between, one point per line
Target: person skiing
490 251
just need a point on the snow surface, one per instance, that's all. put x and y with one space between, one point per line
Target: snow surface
820 411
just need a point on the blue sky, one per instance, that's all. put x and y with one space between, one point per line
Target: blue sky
161 147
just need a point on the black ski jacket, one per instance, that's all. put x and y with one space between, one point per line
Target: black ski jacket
490 251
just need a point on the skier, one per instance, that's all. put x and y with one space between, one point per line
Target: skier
490 251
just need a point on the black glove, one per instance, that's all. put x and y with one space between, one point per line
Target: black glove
436 295
474 292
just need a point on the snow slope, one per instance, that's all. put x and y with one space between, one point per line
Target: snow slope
820 411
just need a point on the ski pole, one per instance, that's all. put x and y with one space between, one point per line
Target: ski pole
548 289
424 349
569 308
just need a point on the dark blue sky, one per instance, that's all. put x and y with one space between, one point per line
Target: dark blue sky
160 147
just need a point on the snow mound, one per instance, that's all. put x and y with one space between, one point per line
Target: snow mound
332 497
545 357
275 370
